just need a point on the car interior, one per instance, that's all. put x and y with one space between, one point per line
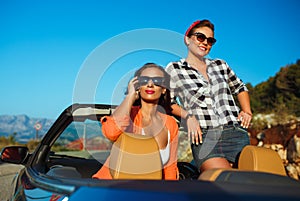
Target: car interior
81 149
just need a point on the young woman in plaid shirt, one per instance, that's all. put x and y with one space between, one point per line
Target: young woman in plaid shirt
205 88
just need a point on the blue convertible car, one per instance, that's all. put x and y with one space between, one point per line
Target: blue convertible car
74 148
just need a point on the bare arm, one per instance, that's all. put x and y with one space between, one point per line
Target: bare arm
125 107
194 130
122 113
178 111
245 115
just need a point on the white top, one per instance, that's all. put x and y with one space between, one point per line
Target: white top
164 153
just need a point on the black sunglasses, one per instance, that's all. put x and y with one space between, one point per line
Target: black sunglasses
144 80
201 37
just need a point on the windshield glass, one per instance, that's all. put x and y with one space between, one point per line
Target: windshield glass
83 139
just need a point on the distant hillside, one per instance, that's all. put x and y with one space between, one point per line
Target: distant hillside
279 94
22 126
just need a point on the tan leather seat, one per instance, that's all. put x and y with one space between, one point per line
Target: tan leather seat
252 158
261 159
213 174
135 157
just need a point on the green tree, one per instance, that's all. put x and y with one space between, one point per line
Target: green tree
281 92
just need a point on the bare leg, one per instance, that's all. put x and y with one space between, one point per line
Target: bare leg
215 163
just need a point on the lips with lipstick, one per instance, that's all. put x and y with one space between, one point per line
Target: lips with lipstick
148 91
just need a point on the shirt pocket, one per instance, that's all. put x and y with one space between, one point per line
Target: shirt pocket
197 97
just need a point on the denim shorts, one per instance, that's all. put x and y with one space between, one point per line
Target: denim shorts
225 142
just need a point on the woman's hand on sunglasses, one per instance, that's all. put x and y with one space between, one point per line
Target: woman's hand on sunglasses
133 89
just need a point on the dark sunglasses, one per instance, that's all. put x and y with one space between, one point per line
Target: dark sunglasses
201 37
144 80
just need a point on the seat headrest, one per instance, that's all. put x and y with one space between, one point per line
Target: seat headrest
135 156
261 159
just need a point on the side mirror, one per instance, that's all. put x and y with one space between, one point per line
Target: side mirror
14 154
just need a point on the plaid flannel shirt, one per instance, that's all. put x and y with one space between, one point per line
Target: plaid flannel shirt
212 101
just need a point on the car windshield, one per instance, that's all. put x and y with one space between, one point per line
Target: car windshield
83 139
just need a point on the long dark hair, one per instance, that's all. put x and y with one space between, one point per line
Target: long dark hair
165 99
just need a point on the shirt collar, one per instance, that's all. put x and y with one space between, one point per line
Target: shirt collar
185 63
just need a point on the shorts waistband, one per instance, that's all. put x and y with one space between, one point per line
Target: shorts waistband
226 126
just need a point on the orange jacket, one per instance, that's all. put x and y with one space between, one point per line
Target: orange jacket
111 130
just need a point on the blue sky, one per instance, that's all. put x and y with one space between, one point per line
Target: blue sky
54 53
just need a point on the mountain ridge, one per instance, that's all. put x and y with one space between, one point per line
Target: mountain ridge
22 126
